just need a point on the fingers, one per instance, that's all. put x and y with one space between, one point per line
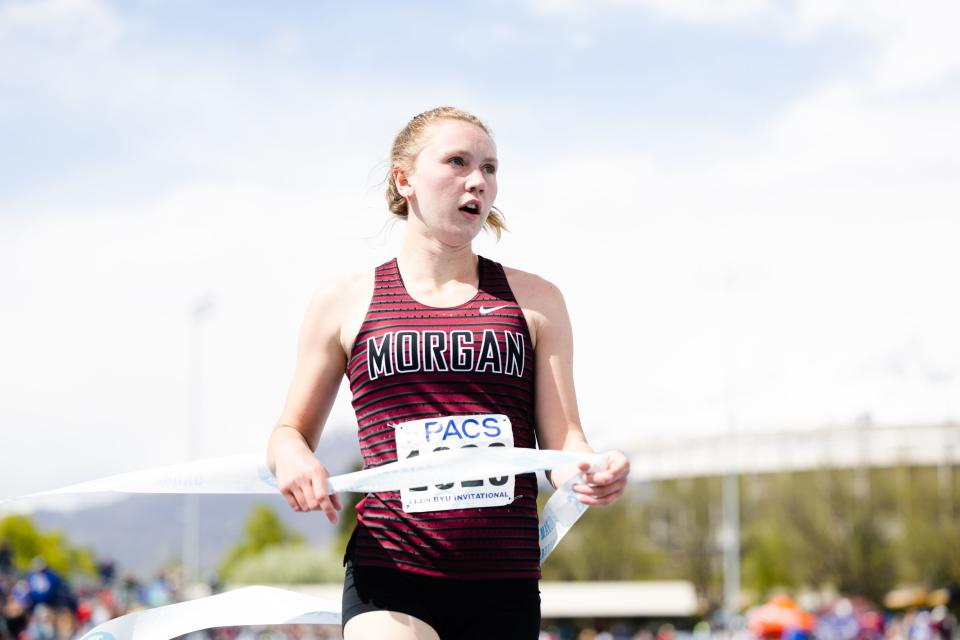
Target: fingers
618 467
291 497
600 494
299 501
296 497
328 503
308 491
607 485
313 499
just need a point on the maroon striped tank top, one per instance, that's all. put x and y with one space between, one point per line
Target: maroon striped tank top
451 369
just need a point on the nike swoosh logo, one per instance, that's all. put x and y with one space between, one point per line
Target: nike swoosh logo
485 310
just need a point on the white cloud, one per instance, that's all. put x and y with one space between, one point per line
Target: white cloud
798 272
915 43
98 337
285 41
559 6
697 10
703 10
768 279
911 44
85 23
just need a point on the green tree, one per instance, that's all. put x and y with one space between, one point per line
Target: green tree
769 545
263 530
838 533
862 531
767 557
27 542
928 525
289 564
606 544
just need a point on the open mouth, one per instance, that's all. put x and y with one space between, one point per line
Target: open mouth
470 208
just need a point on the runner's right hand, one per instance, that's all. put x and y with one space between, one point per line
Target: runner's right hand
303 482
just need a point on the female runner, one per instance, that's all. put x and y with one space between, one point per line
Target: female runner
443 348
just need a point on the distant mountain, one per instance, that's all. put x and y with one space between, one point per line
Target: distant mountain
144 532
141 533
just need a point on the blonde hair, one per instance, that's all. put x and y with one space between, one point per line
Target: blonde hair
407 146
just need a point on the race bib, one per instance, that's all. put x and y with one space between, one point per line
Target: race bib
450 432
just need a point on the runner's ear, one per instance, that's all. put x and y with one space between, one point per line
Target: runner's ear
404 188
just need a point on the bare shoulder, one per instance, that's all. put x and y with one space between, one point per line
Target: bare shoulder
338 308
532 290
541 300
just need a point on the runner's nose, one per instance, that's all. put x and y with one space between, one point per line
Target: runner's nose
476 182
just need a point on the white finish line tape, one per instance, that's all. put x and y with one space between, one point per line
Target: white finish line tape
560 513
247 474
260 605
247 606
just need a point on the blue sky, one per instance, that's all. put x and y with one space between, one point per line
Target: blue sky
640 72
756 198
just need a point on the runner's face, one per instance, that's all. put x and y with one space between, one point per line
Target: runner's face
454 182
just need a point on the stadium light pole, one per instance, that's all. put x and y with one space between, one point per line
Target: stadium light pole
191 501
950 435
730 499
731 529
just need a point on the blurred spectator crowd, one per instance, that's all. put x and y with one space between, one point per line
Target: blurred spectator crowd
780 619
39 604
42 605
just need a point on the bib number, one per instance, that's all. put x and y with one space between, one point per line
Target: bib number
448 432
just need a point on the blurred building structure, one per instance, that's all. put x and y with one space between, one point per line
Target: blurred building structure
849 447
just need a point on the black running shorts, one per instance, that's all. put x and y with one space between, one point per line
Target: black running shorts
507 609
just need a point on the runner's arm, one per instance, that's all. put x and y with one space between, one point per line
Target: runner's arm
558 418
320 365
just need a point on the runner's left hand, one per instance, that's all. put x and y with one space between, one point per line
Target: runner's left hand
606 485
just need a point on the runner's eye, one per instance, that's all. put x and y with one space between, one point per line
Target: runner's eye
490 168
456 160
